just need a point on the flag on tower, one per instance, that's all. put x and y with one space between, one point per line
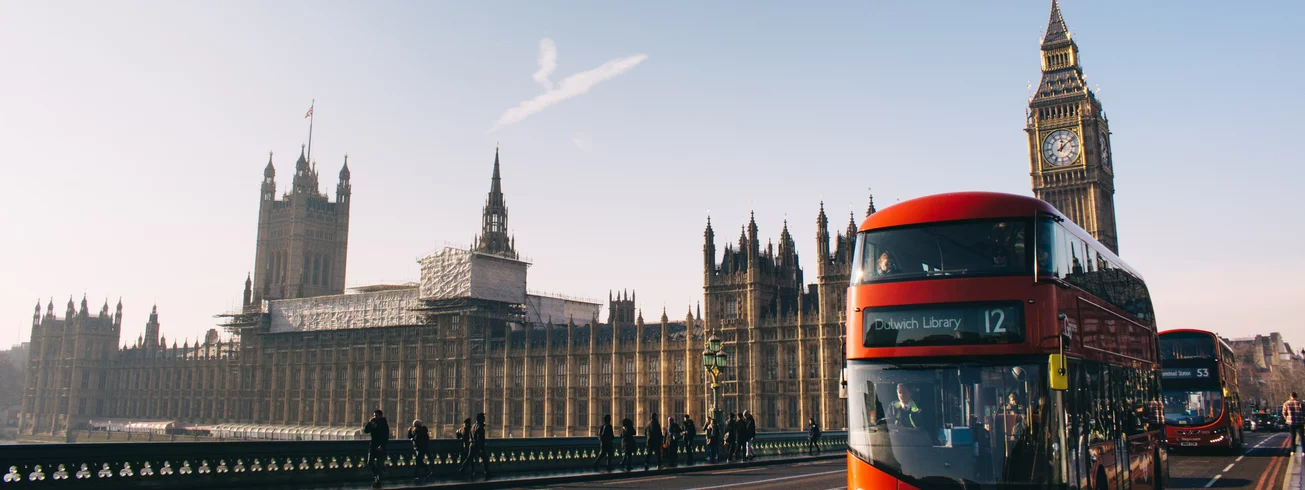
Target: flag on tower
309 114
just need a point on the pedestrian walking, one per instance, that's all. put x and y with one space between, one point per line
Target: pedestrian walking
420 437
464 438
476 448
813 437
671 442
731 437
1294 411
690 438
653 442
713 435
627 443
379 429
750 433
605 437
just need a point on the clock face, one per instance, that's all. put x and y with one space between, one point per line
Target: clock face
1060 148
1105 149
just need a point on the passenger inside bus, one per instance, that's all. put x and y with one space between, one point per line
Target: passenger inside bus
885 265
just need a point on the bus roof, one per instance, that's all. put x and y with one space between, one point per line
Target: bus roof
958 206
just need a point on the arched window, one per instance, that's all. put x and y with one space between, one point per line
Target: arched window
307 272
317 269
326 271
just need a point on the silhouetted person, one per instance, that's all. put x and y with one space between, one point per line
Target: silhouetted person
627 443
690 438
464 436
476 449
749 433
711 432
813 437
671 442
379 429
420 437
653 442
731 438
605 437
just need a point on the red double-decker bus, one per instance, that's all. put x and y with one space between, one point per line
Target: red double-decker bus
994 344
1199 377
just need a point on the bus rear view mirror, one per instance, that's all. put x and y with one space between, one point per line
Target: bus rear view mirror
1058 375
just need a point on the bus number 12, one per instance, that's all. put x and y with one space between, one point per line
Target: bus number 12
989 316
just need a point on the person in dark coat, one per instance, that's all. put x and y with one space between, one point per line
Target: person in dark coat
476 448
671 441
605 437
731 438
627 443
813 437
420 437
464 436
749 433
690 438
653 443
379 429
711 431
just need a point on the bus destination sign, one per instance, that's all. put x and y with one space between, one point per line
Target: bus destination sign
1184 373
936 325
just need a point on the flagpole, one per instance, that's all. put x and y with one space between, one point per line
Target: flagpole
310 130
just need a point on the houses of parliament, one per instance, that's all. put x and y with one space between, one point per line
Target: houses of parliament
468 337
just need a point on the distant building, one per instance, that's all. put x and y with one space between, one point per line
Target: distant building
467 338
1268 370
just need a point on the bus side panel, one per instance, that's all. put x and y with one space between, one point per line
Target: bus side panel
862 476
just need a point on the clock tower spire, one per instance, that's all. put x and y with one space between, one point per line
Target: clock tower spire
1069 139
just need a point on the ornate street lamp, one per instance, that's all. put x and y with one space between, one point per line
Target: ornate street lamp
714 361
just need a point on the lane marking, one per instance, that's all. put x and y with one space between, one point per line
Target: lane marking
756 482
740 470
1229 467
1240 458
1212 480
641 480
1275 463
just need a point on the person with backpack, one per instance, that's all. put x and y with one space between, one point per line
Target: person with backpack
713 436
420 437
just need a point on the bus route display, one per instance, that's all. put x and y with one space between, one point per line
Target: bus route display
959 324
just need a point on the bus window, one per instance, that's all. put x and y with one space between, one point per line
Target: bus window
972 422
970 248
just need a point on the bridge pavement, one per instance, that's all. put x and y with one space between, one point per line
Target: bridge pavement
1261 465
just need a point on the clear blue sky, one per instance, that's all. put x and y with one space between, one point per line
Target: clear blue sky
133 136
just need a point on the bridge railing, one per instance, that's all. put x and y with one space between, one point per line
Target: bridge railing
222 464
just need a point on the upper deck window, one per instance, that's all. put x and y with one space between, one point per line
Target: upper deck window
1186 346
942 250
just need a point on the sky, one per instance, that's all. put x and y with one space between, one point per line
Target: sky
133 137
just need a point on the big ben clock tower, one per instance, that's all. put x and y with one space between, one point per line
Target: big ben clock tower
1069 139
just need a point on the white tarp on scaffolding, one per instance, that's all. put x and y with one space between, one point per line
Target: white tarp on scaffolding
545 309
345 311
454 273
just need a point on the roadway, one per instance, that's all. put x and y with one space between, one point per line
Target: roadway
1261 465
815 475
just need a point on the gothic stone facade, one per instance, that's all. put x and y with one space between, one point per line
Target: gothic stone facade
785 338
445 359
1069 139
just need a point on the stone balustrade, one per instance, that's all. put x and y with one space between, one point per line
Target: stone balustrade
245 463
